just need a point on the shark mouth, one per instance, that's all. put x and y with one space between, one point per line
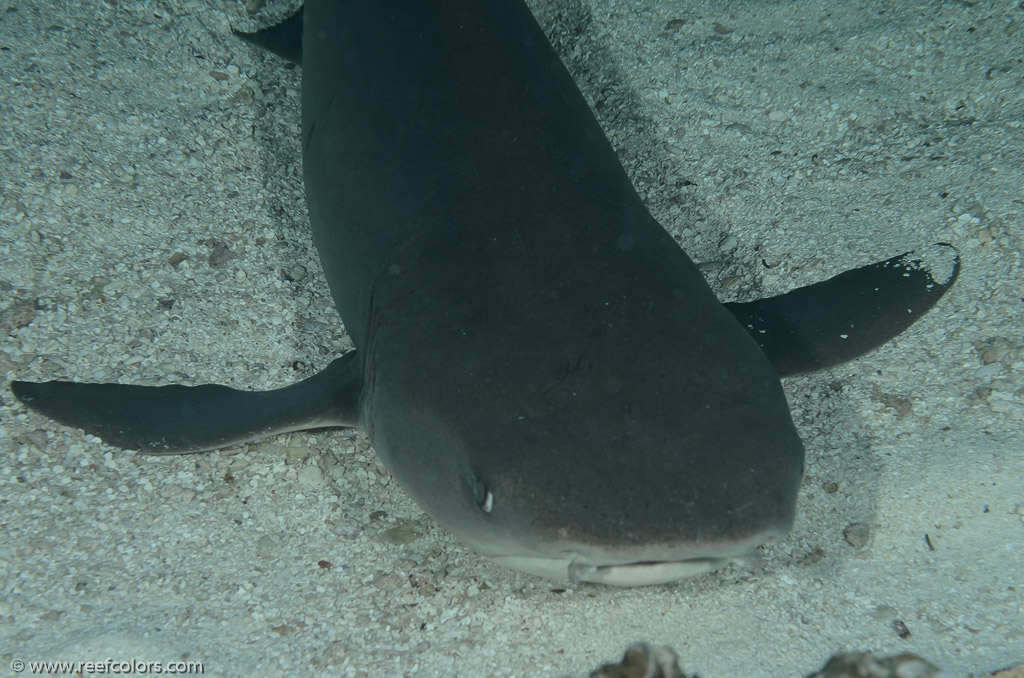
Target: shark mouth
644 573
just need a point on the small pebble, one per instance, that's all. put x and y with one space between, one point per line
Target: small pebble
857 534
884 613
988 371
267 546
403 533
311 476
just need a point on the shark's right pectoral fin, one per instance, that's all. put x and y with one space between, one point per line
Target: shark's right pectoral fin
178 419
831 322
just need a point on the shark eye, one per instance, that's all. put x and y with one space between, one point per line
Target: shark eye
484 498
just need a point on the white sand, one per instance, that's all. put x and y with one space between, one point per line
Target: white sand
820 139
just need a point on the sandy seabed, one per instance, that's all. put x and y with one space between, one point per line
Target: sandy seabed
153 231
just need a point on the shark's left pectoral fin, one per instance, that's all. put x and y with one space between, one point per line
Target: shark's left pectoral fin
179 419
842 318
283 39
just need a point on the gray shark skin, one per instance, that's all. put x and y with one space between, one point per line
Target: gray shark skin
537 362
